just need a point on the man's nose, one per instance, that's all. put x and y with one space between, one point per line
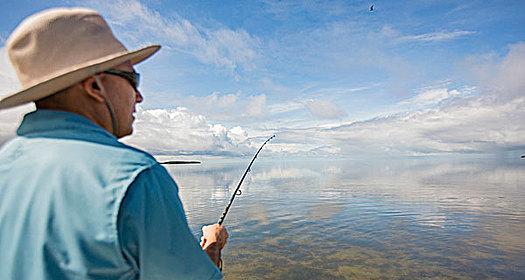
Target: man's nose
138 96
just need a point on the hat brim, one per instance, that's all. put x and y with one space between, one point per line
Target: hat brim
73 75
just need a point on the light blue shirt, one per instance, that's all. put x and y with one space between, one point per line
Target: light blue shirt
75 203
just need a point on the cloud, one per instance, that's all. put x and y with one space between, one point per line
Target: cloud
323 109
444 120
431 96
214 104
237 134
272 87
302 149
8 80
389 31
285 107
177 131
476 126
10 118
233 50
436 36
501 77
468 126
256 106
284 10
182 132
439 36
338 48
227 107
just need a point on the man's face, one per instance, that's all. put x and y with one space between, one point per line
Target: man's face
123 97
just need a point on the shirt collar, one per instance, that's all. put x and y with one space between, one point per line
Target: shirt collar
61 124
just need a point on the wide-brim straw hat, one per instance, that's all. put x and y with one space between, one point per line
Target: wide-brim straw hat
57 48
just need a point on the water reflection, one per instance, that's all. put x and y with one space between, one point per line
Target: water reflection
355 219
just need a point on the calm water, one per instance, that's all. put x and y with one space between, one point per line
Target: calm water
407 219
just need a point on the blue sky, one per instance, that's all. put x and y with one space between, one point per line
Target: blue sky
328 77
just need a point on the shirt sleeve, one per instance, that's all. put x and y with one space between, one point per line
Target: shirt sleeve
154 233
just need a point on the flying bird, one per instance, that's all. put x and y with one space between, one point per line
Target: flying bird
371 8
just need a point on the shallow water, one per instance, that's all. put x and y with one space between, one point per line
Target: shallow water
349 219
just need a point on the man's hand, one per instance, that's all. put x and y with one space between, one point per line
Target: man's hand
213 239
214 234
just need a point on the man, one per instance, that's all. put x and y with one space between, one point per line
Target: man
75 203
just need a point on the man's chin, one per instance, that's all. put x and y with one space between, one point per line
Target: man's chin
125 133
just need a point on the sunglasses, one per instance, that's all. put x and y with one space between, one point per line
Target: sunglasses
132 77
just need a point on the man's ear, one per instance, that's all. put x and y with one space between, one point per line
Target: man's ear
92 89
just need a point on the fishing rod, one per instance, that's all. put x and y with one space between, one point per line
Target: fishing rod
238 189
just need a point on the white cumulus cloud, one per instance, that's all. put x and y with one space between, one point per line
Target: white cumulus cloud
182 132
